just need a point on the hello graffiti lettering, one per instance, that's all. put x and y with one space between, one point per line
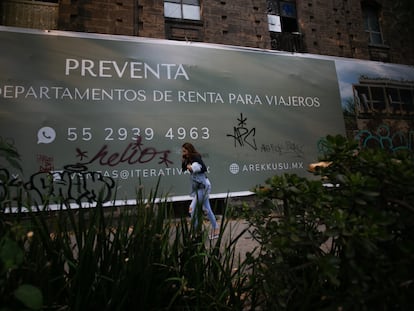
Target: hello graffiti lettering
134 153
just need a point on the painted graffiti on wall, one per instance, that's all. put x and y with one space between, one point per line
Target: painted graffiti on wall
74 184
242 135
385 138
134 153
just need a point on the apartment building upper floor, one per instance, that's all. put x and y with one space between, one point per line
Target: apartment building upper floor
368 29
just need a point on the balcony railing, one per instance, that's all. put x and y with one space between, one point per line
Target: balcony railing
286 41
29 14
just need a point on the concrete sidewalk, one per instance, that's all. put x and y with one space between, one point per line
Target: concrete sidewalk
238 228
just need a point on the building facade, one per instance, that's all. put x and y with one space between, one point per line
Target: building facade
367 29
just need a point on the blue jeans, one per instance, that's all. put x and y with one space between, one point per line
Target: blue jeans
201 198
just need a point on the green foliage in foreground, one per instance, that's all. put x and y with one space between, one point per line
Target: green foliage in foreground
343 242
136 258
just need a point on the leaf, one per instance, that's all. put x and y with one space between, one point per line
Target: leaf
360 201
30 296
371 193
10 253
294 238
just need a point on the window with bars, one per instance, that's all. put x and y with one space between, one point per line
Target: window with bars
182 9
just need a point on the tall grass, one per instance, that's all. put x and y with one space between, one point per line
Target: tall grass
126 258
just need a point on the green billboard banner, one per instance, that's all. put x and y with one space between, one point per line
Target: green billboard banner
123 106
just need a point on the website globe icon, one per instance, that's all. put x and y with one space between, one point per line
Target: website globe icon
234 168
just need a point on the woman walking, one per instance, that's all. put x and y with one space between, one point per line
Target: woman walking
200 186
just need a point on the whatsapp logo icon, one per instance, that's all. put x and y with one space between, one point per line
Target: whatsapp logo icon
46 135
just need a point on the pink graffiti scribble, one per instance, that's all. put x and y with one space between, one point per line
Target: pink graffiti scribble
134 153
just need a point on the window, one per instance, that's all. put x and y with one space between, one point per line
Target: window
182 9
30 14
372 24
378 99
183 20
282 16
384 96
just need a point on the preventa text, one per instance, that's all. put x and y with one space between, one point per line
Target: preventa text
126 69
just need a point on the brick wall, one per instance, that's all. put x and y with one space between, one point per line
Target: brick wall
333 27
398 37
151 18
119 17
336 28
21 13
242 23
98 16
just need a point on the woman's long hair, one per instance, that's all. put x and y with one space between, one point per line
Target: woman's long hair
191 150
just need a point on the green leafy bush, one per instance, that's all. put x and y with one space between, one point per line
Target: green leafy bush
342 241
